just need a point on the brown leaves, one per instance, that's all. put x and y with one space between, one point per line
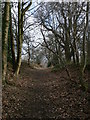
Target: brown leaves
40 94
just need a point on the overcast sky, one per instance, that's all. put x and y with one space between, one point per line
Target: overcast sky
38 1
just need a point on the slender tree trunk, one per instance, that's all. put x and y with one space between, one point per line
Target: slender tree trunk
83 47
19 46
88 40
29 58
12 44
67 53
60 54
83 84
84 40
73 54
0 59
77 56
5 37
67 48
67 43
28 54
21 13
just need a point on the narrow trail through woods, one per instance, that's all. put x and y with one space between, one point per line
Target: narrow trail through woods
40 93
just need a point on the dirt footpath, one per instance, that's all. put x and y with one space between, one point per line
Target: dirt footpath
40 93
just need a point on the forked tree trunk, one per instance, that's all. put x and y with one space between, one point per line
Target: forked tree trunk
21 13
5 37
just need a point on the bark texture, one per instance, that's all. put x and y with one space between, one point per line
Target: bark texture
19 44
5 38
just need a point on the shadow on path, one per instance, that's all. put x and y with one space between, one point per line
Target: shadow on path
40 93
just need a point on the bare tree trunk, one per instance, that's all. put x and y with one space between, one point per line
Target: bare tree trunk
83 47
67 53
5 38
29 58
88 41
67 43
12 44
0 59
75 42
77 56
73 54
84 41
28 54
19 46
21 13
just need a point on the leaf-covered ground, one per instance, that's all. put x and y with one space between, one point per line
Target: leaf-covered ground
41 93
